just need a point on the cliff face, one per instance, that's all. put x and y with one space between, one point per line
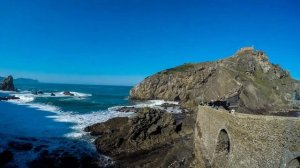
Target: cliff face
246 81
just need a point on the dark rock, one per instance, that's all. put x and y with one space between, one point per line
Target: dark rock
5 157
22 146
37 92
44 160
127 109
40 147
8 84
148 137
68 93
110 126
63 159
66 160
9 98
52 94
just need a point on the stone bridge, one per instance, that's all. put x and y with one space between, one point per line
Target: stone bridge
242 140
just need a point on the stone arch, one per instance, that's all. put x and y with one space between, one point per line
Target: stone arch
223 143
222 150
294 163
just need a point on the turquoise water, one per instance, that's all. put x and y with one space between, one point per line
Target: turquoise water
57 121
44 115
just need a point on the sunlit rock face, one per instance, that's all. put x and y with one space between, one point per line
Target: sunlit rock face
257 85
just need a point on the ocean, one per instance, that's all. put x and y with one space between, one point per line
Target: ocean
45 115
58 120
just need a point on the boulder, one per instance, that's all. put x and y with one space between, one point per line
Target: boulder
8 84
68 93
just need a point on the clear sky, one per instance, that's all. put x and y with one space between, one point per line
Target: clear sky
122 41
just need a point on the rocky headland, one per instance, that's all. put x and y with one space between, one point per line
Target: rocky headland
246 82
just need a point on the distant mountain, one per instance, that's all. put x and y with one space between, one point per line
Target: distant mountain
25 81
19 81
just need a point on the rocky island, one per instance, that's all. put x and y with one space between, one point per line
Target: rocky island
8 84
246 84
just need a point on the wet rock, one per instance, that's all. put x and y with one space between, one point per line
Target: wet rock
67 160
40 147
9 98
148 137
68 93
52 94
63 159
40 92
8 84
5 157
21 146
34 92
127 109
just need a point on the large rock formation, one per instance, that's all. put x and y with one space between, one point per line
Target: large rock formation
152 138
8 84
246 81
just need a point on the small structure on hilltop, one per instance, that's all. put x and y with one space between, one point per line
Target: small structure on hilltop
246 49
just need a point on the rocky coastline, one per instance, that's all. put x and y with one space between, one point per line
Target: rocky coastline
245 83
164 136
151 138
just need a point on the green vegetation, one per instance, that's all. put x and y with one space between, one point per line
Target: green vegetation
181 68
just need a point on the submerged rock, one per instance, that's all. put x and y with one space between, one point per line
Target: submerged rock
9 98
64 159
22 146
8 84
68 93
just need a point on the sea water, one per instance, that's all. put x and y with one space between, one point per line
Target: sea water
58 120
45 115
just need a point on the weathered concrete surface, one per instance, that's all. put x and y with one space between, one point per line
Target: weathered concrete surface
254 140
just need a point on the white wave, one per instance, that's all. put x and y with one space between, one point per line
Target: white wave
27 96
83 120
8 92
80 121
76 94
24 98
153 104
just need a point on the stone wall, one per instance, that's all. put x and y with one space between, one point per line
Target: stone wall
242 140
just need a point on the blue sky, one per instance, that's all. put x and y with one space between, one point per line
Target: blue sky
122 41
